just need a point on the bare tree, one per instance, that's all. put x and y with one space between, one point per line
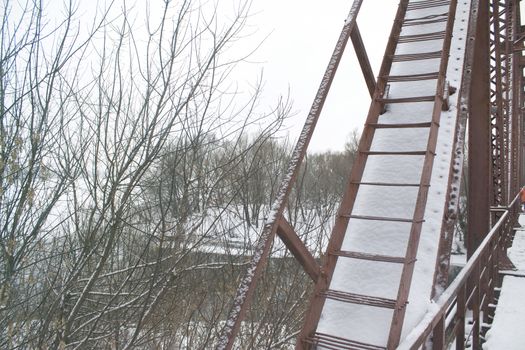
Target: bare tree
132 184
88 251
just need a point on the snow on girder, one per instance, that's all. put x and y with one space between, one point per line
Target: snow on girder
261 252
396 156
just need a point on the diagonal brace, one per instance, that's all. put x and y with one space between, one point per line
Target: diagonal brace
287 234
364 62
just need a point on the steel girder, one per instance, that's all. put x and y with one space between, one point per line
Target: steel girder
501 88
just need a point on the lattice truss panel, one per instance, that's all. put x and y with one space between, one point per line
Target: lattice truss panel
501 49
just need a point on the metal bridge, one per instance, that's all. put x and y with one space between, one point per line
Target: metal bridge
452 74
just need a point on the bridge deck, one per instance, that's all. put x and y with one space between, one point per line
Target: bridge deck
366 322
507 331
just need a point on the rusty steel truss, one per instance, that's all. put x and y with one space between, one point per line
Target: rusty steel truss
490 120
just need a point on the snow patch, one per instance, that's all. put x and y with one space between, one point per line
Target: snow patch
509 320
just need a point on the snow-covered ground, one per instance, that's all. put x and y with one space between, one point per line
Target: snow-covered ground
508 328
225 232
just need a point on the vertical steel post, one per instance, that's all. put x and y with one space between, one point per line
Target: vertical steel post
520 92
460 317
498 82
438 334
517 89
521 106
475 305
479 136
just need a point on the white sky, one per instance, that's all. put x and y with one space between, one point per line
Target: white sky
301 37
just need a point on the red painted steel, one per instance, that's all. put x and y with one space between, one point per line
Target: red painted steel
500 30
262 249
287 234
479 161
345 208
456 172
456 299
490 98
415 232
362 57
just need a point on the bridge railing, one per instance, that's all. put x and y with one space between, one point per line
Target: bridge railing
470 295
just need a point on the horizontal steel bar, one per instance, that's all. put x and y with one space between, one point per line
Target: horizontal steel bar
514 273
407 99
359 299
409 23
388 184
403 39
400 126
371 257
444 14
427 4
411 77
416 56
381 218
394 153
327 340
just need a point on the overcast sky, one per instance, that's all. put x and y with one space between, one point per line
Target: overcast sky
301 37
